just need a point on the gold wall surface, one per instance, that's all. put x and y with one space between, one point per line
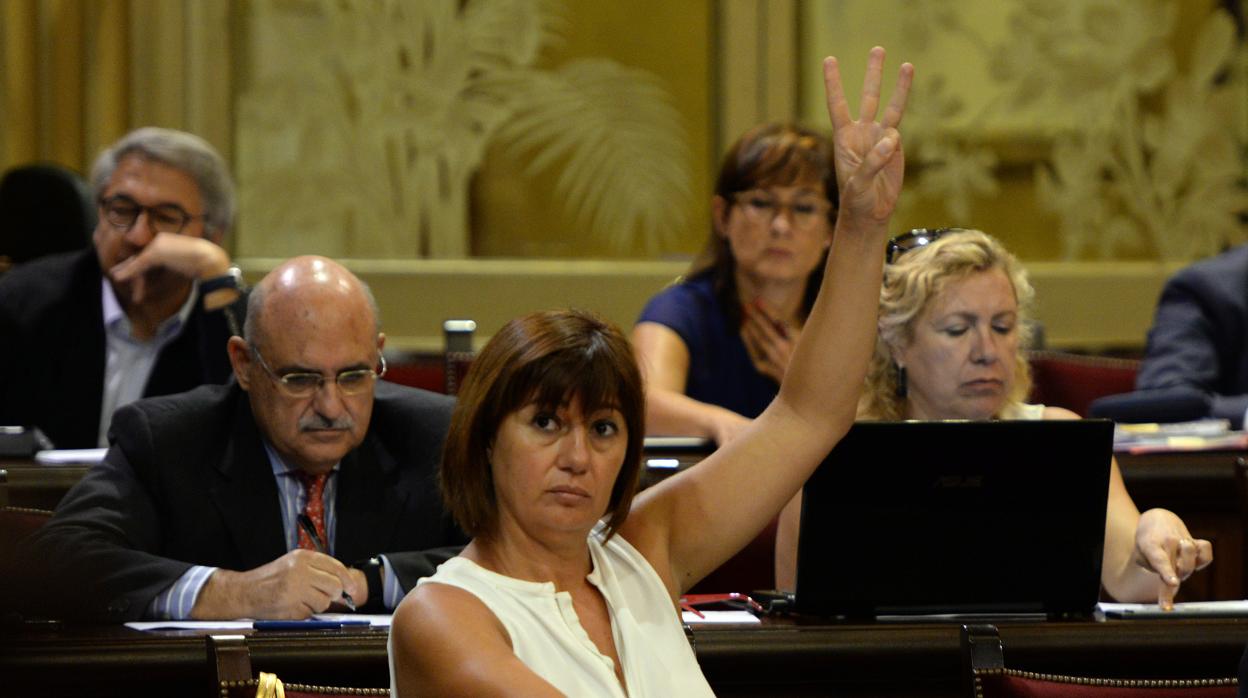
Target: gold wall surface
326 140
78 74
1071 129
520 214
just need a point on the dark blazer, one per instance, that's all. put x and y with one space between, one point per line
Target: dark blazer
52 352
1199 337
187 481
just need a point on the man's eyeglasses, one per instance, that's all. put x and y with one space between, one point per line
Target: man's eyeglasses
302 384
122 212
761 206
917 237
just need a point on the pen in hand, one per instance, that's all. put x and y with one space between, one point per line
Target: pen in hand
306 524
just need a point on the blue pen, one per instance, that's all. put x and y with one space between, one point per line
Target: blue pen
306 524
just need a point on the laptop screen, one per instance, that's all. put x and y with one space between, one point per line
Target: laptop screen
1001 517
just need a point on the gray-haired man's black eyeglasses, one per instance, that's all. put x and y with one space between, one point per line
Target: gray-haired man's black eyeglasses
122 213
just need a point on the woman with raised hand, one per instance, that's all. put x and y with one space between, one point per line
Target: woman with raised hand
570 584
953 321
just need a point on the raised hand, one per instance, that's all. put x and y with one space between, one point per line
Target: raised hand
869 160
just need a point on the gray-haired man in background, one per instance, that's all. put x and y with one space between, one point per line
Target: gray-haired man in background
145 311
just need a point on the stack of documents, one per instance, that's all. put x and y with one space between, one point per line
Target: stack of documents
1201 435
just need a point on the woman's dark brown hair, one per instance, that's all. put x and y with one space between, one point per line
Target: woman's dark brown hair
549 358
768 155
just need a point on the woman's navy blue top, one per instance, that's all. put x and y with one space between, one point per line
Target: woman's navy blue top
720 370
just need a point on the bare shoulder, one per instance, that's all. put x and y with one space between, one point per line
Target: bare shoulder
446 642
440 631
652 338
429 606
1051 412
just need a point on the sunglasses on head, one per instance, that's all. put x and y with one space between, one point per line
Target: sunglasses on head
918 237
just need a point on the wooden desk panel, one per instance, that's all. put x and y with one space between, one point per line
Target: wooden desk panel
36 486
1206 489
782 657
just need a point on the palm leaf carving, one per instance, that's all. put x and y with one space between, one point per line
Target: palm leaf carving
619 144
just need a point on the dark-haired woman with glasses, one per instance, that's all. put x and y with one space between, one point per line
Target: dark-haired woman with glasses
714 347
954 310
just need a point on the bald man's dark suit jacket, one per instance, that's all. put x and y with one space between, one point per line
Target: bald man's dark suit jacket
187 481
52 349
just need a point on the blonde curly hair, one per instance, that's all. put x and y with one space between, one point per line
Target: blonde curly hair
910 283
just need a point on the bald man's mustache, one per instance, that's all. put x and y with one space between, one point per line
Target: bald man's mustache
318 422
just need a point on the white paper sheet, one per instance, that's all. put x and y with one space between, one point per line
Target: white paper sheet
719 617
1191 609
71 456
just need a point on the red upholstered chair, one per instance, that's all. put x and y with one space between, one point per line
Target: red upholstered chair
418 371
15 524
990 678
1073 381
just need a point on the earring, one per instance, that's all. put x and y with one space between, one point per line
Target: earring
901 389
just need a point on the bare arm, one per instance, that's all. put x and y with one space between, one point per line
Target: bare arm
689 524
445 642
664 362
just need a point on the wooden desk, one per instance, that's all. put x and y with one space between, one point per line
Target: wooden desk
1206 488
782 657
30 484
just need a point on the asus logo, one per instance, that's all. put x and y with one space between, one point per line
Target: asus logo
958 481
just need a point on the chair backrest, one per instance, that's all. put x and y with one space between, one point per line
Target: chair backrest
44 209
232 676
15 524
989 677
417 371
1073 381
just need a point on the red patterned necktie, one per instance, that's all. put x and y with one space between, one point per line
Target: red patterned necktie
313 488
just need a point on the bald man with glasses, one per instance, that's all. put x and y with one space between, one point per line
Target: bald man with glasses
304 486
144 311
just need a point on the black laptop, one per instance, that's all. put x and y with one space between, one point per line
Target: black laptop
928 518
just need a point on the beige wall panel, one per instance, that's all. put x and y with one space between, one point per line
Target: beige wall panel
757 71
61 87
106 81
209 97
19 105
158 63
